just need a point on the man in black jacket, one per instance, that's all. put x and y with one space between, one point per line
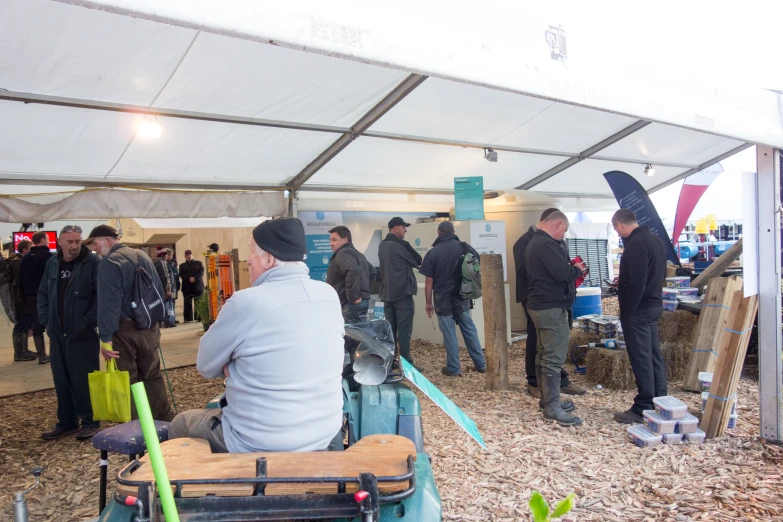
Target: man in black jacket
566 386
68 308
550 295
22 326
30 274
192 274
639 293
440 268
398 284
349 273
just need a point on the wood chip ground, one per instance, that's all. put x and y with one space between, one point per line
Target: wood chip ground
735 477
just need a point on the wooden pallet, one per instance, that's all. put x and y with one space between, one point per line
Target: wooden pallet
732 346
382 455
715 306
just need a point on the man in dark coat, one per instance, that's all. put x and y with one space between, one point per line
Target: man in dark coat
30 275
350 274
640 296
440 269
398 284
164 274
174 273
566 386
22 326
68 308
192 274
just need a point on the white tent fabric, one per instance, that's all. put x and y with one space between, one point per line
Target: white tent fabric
97 204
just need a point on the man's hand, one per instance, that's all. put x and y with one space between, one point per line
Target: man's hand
192 279
430 309
108 352
168 294
582 267
225 371
358 301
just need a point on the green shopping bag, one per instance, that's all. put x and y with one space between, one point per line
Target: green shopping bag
110 394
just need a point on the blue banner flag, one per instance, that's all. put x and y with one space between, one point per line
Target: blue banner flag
632 196
443 402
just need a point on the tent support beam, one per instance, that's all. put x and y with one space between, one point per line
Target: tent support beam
601 145
385 105
696 169
57 180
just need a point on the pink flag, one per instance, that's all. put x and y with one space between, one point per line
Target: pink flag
694 187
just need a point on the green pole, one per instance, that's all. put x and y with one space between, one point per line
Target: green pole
156 456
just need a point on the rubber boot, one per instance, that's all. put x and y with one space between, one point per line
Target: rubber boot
567 405
25 349
40 347
550 393
19 352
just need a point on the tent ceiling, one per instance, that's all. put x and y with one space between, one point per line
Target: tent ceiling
420 137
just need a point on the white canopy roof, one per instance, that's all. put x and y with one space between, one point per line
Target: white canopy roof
314 96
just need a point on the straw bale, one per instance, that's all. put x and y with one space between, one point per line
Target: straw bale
678 327
580 338
610 368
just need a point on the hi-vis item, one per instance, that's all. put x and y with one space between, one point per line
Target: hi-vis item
110 394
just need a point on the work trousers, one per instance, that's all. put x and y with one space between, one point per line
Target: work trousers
644 351
139 357
531 350
399 313
448 327
206 424
71 362
552 333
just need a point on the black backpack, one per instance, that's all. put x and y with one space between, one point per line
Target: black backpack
147 303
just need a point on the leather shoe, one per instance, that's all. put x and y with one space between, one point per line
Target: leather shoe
533 391
58 432
573 389
87 432
628 417
445 371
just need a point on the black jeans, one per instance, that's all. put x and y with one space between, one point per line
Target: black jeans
644 350
531 351
355 313
399 313
188 311
71 363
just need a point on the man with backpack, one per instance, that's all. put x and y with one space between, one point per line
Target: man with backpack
127 318
443 267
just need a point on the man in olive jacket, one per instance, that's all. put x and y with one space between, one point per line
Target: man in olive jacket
350 274
398 284
68 308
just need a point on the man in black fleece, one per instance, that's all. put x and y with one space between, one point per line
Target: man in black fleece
566 386
550 295
639 293
31 272
350 274
398 284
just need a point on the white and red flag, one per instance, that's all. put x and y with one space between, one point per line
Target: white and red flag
692 190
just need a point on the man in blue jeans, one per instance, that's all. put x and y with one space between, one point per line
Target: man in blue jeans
440 266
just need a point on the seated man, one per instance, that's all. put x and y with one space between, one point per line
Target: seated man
280 345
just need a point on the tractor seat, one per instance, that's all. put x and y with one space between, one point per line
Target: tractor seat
189 459
127 438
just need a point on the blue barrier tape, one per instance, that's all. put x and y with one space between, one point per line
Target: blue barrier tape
706 351
738 333
722 399
716 305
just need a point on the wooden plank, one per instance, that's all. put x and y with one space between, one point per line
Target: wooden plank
728 367
719 266
382 455
495 340
715 305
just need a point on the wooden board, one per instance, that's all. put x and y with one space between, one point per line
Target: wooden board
728 367
714 308
382 455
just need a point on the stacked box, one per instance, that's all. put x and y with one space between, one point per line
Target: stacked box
669 294
688 293
670 422
585 321
705 380
669 306
642 436
678 282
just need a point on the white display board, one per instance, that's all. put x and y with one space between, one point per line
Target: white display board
489 237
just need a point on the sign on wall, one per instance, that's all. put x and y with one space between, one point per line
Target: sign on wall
489 237
20 236
319 253
469 198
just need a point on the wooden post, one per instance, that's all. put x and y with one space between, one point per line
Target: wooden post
718 266
495 340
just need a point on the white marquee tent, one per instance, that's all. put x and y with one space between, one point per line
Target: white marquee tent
278 101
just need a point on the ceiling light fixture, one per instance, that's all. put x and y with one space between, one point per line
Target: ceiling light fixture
149 127
490 155
649 170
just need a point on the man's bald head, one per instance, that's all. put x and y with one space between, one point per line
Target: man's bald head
556 225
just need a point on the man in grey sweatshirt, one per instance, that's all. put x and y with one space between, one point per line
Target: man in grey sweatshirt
280 345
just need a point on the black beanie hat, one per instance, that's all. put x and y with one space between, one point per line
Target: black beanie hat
284 238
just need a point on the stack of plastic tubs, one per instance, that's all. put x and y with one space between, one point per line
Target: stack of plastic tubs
705 379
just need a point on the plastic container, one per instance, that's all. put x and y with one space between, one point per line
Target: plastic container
621 345
687 424
732 422
672 438
704 396
678 282
670 294
669 306
705 379
670 408
657 423
642 436
697 437
588 301
688 292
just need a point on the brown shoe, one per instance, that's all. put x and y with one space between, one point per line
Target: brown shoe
573 389
88 432
533 391
628 417
445 371
58 432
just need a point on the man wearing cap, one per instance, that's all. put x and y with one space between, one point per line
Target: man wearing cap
280 345
136 351
68 308
350 274
192 274
214 248
439 266
398 284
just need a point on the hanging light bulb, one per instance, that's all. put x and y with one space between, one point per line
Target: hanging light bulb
649 170
149 127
